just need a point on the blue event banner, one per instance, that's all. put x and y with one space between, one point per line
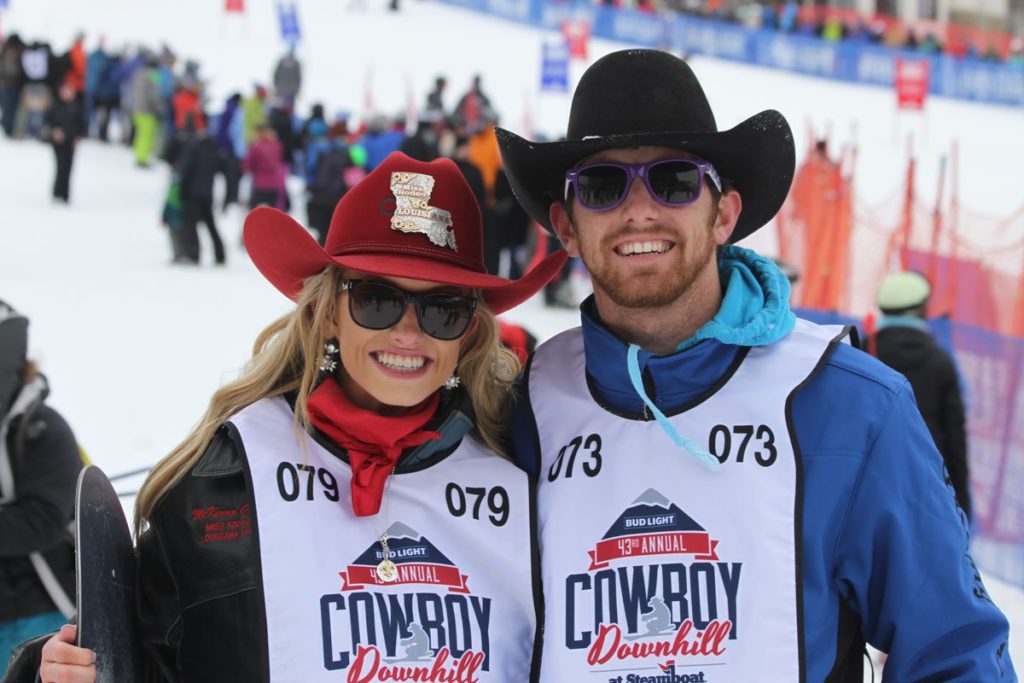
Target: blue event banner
554 67
964 78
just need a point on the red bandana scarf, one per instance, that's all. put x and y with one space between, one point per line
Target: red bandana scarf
373 441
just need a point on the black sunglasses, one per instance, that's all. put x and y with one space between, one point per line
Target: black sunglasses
603 185
378 305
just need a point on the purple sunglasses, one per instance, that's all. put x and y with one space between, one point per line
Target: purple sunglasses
603 185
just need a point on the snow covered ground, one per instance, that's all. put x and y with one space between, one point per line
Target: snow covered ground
134 347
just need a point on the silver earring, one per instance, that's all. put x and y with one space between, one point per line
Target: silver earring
329 361
452 382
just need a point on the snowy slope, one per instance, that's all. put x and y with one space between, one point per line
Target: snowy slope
134 347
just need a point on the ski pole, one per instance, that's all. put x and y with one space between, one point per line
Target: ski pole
130 473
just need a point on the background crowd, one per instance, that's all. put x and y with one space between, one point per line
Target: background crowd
834 24
267 151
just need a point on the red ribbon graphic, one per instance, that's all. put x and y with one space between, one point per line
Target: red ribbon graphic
696 543
358 576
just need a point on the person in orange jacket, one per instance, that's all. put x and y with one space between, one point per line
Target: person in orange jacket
186 102
484 153
76 59
74 77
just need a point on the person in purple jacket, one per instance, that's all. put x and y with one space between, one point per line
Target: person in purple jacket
265 162
724 492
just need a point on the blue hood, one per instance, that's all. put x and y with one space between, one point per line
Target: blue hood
755 306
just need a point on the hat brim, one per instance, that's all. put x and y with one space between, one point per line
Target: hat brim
757 157
286 254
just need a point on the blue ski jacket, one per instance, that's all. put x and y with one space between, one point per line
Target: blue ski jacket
884 554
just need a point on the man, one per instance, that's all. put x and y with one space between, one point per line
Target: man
148 109
435 98
904 344
473 107
65 123
288 77
725 493
254 114
200 161
11 81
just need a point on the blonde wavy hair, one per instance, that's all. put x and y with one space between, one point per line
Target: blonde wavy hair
286 358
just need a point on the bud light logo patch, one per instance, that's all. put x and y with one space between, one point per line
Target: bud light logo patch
415 557
653 526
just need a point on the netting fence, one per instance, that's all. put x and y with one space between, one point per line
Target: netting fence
843 249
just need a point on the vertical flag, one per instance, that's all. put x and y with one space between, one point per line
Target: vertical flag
554 67
577 35
288 13
912 76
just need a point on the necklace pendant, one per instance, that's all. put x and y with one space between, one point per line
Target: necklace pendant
387 571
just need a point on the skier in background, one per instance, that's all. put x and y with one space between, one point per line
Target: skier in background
327 161
95 64
435 98
230 135
11 81
254 112
316 120
512 228
473 108
41 78
383 136
265 163
65 123
147 109
905 344
423 144
74 64
288 77
281 120
200 161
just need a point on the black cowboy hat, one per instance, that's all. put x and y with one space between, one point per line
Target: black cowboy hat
639 98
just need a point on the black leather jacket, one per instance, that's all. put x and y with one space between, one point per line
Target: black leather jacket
200 607
45 462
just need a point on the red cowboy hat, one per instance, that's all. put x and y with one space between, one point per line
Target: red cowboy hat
406 218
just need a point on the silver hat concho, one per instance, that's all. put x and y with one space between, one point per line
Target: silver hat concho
413 212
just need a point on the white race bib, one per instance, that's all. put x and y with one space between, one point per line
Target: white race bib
462 605
656 568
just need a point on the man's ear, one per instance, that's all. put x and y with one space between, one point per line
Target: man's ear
729 207
562 225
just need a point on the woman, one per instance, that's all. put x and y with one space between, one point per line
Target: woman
342 510
39 465
265 162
